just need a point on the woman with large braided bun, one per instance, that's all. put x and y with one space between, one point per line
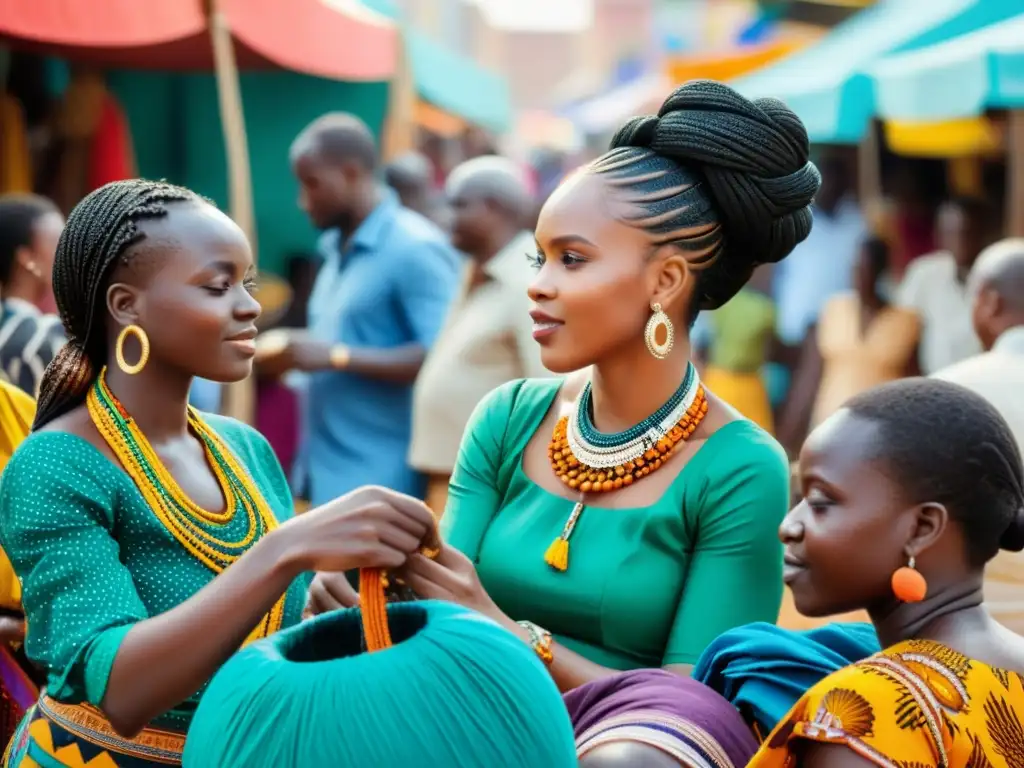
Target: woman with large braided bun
625 517
152 541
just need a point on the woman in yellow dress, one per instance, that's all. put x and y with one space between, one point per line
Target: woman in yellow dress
909 490
741 334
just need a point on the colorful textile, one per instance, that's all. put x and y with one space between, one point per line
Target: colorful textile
112 156
17 411
18 693
15 157
66 736
763 669
455 690
713 532
918 703
675 714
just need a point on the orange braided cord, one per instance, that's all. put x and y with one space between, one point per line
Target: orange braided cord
373 604
373 600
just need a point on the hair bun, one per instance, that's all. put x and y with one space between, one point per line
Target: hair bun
752 154
1012 539
637 132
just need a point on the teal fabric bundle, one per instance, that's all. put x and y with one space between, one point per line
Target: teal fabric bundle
455 690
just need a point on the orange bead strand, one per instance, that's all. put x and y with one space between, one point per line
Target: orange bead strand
578 476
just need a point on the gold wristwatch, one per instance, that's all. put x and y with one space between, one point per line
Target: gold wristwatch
340 356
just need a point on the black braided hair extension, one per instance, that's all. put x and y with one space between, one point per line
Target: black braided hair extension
99 233
725 179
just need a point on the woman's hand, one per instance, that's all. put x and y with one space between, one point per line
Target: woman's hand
369 528
451 577
329 592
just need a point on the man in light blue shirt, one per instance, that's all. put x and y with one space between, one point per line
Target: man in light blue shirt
822 265
379 301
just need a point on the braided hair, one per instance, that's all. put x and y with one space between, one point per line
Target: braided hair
725 179
99 234
974 468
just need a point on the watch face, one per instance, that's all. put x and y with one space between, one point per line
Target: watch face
271 343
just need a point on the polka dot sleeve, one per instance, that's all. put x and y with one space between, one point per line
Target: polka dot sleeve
57 498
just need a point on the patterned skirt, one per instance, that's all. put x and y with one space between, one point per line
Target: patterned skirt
55 735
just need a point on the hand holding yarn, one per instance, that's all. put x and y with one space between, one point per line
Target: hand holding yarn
369 528
451 577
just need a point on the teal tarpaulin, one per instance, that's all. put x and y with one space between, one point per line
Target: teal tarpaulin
176 133
956 79
458 85
828 84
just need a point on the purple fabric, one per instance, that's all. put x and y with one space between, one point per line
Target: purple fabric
277 418
13 678
667 693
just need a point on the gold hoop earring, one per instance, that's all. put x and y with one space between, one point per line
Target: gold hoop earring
138 333
659 318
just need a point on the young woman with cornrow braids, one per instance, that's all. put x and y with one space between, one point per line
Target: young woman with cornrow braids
627 520
152 541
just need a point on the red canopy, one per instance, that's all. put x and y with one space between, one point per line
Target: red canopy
337 39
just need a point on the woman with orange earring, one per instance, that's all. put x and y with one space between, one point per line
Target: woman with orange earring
900 521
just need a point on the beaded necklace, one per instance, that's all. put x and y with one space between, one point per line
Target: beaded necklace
197 530
589 461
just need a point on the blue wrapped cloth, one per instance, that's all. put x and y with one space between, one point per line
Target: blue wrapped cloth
764 670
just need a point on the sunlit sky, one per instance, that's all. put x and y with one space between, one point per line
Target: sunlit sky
546 15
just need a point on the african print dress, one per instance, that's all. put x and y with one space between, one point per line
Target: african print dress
918 704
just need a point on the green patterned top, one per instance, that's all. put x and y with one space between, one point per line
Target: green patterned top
646 586
93 559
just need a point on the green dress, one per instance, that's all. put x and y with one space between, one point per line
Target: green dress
646 586
93 559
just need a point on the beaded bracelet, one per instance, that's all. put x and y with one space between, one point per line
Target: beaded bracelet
540 641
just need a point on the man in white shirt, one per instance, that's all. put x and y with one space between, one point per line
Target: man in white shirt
934 286
996 287
488 337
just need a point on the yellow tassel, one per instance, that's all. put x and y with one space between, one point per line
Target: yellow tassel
557 555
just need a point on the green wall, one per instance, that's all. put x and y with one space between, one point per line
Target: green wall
177 135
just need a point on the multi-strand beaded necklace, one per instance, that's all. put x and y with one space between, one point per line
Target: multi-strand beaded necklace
199 531
589 461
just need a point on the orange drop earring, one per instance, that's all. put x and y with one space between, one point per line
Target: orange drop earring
908 584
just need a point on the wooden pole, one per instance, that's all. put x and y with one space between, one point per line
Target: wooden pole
1015 174
240 397
399 134
869 169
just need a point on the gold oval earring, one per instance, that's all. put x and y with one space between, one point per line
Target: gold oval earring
657 319
138 333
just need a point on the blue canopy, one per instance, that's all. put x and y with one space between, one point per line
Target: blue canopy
956 79
828 85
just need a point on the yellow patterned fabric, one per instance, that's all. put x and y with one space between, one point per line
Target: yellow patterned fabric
17 410
78 736
918 704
